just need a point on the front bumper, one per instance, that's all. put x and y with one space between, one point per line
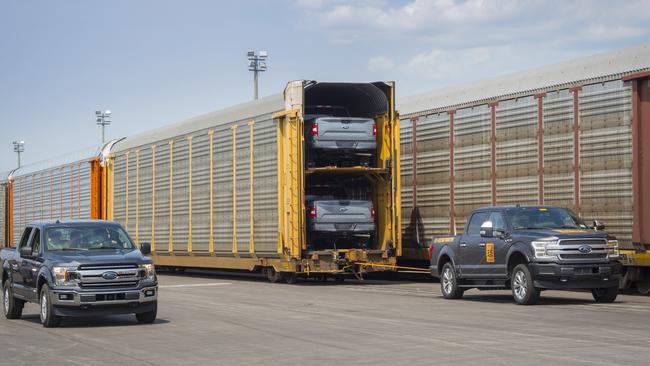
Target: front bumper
576 276
78 302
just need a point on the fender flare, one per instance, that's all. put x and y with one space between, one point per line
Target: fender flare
449 252
519 248
46 274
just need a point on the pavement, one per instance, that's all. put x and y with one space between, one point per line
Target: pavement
243 320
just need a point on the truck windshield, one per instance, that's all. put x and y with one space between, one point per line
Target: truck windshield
529 218
87 238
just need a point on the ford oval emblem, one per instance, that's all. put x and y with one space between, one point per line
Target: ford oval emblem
584 249
342 209
110 275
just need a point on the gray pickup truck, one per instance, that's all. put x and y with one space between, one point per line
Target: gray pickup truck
78 268
334 138
334 220
527 249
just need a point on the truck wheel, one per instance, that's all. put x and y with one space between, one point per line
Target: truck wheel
148 317
523 287
605 295
449 282
290 278
272 275
12 307
48 319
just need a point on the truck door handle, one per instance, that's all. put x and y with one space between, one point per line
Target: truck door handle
481 244
463 245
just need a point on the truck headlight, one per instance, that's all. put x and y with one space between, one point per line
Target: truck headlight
612 249
541 248
149 271
66 276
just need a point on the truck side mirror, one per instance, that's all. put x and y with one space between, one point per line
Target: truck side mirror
598 226
486 230
25 252
145 248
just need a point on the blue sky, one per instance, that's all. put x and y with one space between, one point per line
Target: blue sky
155 62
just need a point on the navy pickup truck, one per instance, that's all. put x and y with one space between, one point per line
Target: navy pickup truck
78 268
527 249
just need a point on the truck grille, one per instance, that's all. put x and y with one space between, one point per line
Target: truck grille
580 249
104 277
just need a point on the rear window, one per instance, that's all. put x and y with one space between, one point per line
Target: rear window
87 238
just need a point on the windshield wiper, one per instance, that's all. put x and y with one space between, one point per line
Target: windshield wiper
100 248
531 228
69 249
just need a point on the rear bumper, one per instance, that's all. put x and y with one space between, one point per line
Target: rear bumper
344 145
73 302
331 228
576 276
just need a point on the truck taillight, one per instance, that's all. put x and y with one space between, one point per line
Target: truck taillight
372 212
314 129
374 129
312 212
431 251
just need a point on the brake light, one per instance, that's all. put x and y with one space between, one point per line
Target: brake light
372 212
431 251
312 212
374 129
314 129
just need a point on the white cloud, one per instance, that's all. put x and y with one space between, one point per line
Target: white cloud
439 64
380 63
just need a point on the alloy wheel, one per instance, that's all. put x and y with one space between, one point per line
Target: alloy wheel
447 280
43 306
520 284
6 301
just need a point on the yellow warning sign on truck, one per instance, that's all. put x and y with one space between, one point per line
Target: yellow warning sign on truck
489 252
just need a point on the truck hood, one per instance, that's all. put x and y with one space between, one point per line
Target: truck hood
96 257
564 233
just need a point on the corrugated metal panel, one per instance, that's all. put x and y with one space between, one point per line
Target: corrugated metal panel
406 165
180 194
3 214
201 192
161 198
265 186
143 215
587 70
517 151
433 173
243 186
472 161
56 193
223 197
606 156
558 149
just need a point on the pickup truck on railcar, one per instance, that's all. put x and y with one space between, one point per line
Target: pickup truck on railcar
78 268
527 249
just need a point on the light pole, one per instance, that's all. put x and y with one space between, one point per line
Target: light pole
103 119
19 147
256 64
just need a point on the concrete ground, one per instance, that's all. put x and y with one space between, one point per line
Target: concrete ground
237 320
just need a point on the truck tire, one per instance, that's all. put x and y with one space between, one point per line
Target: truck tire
272 275
605 295
290 277
48 318
523 287
12 307
449 282
148 317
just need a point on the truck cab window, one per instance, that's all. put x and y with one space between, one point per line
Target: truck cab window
474 226
25 238
498 222
36 241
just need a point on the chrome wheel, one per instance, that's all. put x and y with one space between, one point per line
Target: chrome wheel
43 307
520 284
447 280
6 301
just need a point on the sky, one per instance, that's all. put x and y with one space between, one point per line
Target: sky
156 62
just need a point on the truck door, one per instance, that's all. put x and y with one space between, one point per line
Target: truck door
472 246
496 247
31 265
16 265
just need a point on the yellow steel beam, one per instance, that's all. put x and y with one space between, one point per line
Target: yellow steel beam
189 218
211 243
251 241
153 198
171 195
234 188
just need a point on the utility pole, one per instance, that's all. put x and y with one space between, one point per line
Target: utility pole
19 147
103 119
256 64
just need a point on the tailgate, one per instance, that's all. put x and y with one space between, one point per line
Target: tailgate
345 129
343 212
